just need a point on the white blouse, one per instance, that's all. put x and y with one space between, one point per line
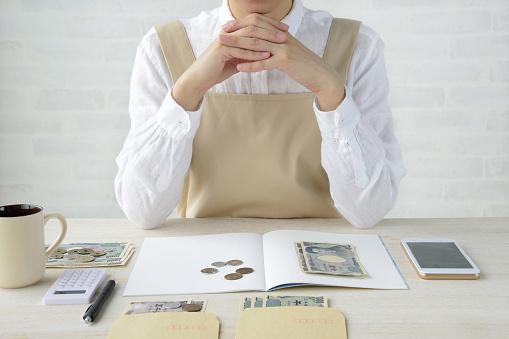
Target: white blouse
360 152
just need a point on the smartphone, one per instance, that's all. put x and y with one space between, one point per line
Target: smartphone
439 259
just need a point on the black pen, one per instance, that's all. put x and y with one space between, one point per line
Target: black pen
93 310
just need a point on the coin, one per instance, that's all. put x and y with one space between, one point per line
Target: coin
191 308
74 251
173 305
56 256
234 262
85 258
60 251
209 270
70 256
98 253
85 251
245 270
218 264
233 276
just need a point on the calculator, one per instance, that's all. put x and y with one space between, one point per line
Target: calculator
75 286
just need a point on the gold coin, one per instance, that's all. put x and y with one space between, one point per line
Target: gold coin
218 264
74 251
234 262
60 251
98 253
209 270
191 308
233 276
85 258
85 251
244 270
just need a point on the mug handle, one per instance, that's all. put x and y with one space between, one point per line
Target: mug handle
61 235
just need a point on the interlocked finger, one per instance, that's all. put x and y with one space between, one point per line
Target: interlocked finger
256 20
254 44
255 32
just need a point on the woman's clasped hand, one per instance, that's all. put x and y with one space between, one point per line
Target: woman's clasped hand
252 44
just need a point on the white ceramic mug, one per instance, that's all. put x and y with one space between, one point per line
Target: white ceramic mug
23 255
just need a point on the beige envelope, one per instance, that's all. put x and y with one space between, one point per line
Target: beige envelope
291 323
185 325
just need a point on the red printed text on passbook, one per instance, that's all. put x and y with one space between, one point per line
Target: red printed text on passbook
316 321
188 327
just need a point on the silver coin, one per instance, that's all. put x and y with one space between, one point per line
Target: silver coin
234 262
218 264
209 270
173 305
60 251
74 250
56 256
85 258
70 256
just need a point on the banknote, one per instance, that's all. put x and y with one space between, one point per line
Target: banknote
252 302
300 255
295 300
163 306
268 300
115 254
334 259
247 302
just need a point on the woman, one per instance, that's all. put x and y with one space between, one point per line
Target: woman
283 114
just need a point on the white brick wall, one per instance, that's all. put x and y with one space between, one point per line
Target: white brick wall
65 68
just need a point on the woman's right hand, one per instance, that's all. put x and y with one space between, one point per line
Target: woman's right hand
219 62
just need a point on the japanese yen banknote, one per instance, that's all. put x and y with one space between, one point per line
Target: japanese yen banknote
328 258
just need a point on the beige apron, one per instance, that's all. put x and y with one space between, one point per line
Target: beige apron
257 155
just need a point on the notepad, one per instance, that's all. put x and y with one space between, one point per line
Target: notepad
172 265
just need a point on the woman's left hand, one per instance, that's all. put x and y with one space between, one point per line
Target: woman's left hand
288 55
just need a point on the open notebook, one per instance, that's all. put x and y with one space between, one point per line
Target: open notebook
172 265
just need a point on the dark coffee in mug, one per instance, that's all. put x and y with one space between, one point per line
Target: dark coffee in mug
13 211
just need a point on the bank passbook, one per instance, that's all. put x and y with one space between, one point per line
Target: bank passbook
75 286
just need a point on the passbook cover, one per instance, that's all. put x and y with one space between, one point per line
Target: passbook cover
183 325
291 323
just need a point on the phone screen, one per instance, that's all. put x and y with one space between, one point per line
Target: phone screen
438 255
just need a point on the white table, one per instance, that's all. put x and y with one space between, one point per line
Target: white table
429 309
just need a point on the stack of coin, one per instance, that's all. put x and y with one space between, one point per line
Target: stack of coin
80 255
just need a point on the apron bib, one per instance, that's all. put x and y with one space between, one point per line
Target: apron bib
257 155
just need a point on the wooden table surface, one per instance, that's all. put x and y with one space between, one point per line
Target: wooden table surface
429 309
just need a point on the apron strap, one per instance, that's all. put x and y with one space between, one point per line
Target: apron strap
341 42
176 47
